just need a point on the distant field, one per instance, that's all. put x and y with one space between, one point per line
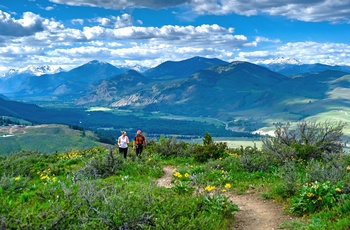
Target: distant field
238 143
231 142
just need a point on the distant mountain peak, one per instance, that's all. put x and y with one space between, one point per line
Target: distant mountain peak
97 62
34 70
280 61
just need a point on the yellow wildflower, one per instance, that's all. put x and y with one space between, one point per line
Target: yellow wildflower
315 186
17 178
187 175
338 189
348 168
178 175
298 185
227 185
209 188
223 191
319 198
309 194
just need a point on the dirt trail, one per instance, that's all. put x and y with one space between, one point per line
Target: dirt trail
254 213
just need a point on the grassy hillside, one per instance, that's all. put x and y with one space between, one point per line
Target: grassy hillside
45 139
97 189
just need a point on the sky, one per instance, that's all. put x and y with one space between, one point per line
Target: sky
70 33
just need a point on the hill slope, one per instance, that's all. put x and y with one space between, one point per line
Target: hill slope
45 139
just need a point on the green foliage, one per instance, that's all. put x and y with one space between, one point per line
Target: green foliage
219 203
97 188
203 153
25 163
171 147
308 141
315 196
290 175
104 138
254 159
100 166
207 140
330 167
183 187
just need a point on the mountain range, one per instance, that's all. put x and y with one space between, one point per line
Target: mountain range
280 90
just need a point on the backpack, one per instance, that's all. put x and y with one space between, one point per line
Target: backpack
139 139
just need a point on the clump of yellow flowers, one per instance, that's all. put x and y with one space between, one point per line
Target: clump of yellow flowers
210 188
46 176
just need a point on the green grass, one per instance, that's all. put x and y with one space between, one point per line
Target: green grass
47 139
97 188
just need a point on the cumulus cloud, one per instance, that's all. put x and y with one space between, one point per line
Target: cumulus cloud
77 21
116 39
123 20
28 25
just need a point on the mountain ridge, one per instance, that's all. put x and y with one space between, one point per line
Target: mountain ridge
218 89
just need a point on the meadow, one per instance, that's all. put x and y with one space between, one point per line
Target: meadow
304 170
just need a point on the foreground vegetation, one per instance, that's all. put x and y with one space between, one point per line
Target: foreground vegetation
304 169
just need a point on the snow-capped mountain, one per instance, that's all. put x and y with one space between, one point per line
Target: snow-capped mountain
279 61
33 70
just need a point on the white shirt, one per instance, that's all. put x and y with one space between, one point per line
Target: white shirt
123 141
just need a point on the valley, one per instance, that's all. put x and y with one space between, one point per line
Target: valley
183 99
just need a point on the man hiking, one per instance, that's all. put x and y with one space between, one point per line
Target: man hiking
139 142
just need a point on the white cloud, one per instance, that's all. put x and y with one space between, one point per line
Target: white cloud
77 21
123 20
28 25
305 52
37 40
122 4
310 11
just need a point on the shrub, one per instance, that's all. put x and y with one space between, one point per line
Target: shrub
99 166
203 153
308 141
290 174
220 203
331 169
171 147
254 159
315 196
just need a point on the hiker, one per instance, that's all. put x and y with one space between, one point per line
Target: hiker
123 142
139 142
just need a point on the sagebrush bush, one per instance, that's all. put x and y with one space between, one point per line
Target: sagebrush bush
309 140
292 178
100 166
333 171
171 147
203 153
254 159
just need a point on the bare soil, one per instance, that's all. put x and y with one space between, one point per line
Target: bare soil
254 212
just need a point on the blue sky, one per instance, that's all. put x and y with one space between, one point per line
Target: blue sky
69 33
